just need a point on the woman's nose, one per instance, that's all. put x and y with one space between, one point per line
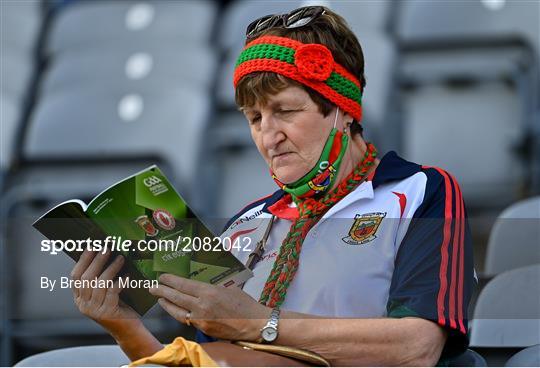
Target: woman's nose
271 133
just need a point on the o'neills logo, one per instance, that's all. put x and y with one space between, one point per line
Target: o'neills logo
243 219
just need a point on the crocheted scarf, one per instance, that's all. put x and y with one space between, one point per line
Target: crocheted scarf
310 211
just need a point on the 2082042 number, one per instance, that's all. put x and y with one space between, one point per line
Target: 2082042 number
216 244
241 244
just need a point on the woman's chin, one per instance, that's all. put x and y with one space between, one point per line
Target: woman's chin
287 177
288 172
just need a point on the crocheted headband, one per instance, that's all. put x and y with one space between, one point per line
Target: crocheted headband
309 64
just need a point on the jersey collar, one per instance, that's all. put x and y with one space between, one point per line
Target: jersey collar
392 168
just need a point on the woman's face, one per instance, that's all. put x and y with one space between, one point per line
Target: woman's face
289 132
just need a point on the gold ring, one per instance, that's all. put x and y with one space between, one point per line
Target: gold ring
188 317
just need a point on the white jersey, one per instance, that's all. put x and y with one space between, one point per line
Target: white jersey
398 245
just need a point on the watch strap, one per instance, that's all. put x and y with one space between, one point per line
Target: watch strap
273 322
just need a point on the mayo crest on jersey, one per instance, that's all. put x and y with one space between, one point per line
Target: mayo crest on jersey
398 245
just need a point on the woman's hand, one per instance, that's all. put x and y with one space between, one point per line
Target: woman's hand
224 313
103 305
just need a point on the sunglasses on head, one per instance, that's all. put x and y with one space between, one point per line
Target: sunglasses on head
295 19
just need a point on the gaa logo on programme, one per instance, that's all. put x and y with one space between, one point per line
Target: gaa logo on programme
151 180
164 219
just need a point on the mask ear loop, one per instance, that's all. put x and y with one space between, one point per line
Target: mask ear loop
348 152
335 119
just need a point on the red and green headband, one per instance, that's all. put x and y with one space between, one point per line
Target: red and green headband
309 64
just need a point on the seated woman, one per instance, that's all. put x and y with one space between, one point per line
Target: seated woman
368 260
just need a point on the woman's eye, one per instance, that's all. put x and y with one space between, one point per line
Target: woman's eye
255 119
286 111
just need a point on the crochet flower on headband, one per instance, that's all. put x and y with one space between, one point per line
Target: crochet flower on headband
309 64
314 62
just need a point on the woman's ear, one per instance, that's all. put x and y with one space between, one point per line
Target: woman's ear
347 121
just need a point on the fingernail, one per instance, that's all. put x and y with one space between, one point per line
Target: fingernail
119 259
161 277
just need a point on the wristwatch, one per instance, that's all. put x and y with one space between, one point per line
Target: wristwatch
269 332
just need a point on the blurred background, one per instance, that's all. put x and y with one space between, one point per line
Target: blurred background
92 91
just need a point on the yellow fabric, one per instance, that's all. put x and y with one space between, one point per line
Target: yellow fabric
180 352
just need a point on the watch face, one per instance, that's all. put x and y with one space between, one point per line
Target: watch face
269 334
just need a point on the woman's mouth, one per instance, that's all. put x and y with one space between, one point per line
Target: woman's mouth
281 158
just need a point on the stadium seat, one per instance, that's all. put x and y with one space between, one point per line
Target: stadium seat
424 21
364 16
469 358
507 313
82 356
17 71
482 115
100 123
528 357
20 23
125 80
506 316
136 61
224 83
10 116
84 23
4 343
380 63
515 238
484 72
